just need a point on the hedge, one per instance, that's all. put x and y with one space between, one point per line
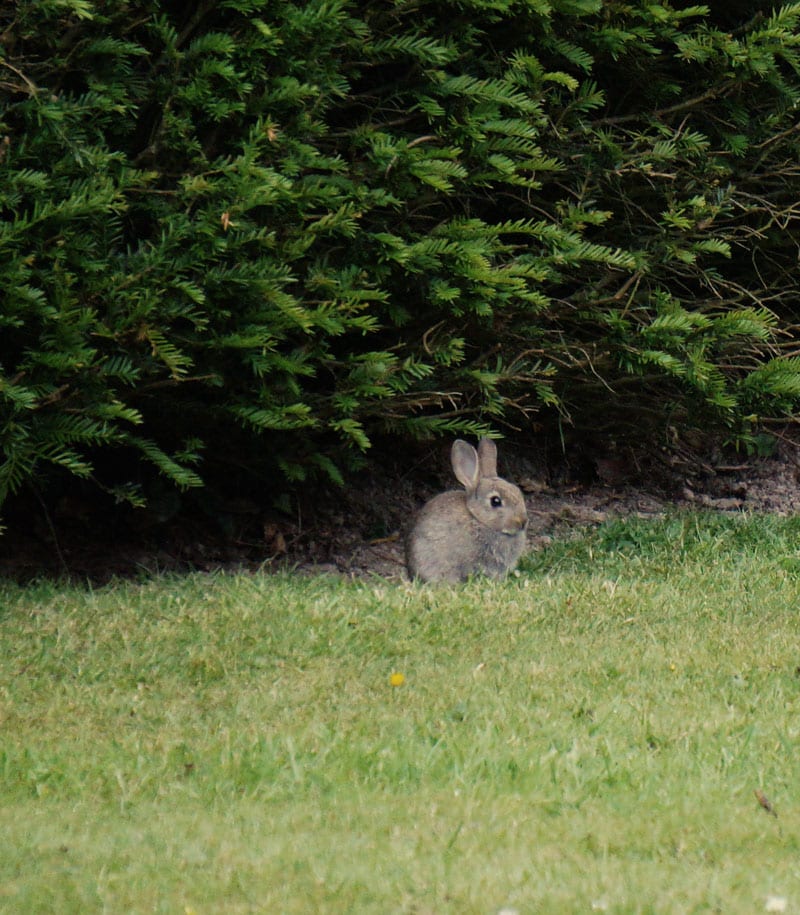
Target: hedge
251 238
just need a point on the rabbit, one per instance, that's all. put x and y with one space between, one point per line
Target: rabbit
460 533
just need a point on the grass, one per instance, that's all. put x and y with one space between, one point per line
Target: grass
587 736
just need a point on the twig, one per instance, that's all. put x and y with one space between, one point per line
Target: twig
49 521
32 87
658 113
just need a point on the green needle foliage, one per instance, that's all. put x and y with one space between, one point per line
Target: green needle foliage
262 234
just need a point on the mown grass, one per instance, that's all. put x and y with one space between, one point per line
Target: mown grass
586 736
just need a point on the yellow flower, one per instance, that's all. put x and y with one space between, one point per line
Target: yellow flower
397 679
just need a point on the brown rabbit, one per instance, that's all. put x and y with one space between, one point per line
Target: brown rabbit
481 530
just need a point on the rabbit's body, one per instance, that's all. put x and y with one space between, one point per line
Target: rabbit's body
479 530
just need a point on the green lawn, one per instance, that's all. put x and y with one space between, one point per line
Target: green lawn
587 736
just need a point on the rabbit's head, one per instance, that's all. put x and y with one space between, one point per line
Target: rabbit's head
494 502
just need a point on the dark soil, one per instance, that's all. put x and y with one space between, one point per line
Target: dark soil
358 531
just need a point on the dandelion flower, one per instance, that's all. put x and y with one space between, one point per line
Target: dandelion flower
397 679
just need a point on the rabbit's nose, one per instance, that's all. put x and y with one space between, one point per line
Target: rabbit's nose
518 523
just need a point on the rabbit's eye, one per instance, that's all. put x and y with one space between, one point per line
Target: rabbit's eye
495 501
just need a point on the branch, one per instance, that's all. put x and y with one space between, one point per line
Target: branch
706 96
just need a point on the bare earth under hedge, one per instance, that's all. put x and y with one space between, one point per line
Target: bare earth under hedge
359 532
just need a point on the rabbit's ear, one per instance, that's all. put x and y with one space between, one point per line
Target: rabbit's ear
487 456
466 467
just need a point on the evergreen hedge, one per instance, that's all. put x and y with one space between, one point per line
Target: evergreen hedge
250 235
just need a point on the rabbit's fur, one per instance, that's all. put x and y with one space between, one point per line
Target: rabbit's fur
479 530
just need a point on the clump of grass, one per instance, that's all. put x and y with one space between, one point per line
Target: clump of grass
587 735
677 540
